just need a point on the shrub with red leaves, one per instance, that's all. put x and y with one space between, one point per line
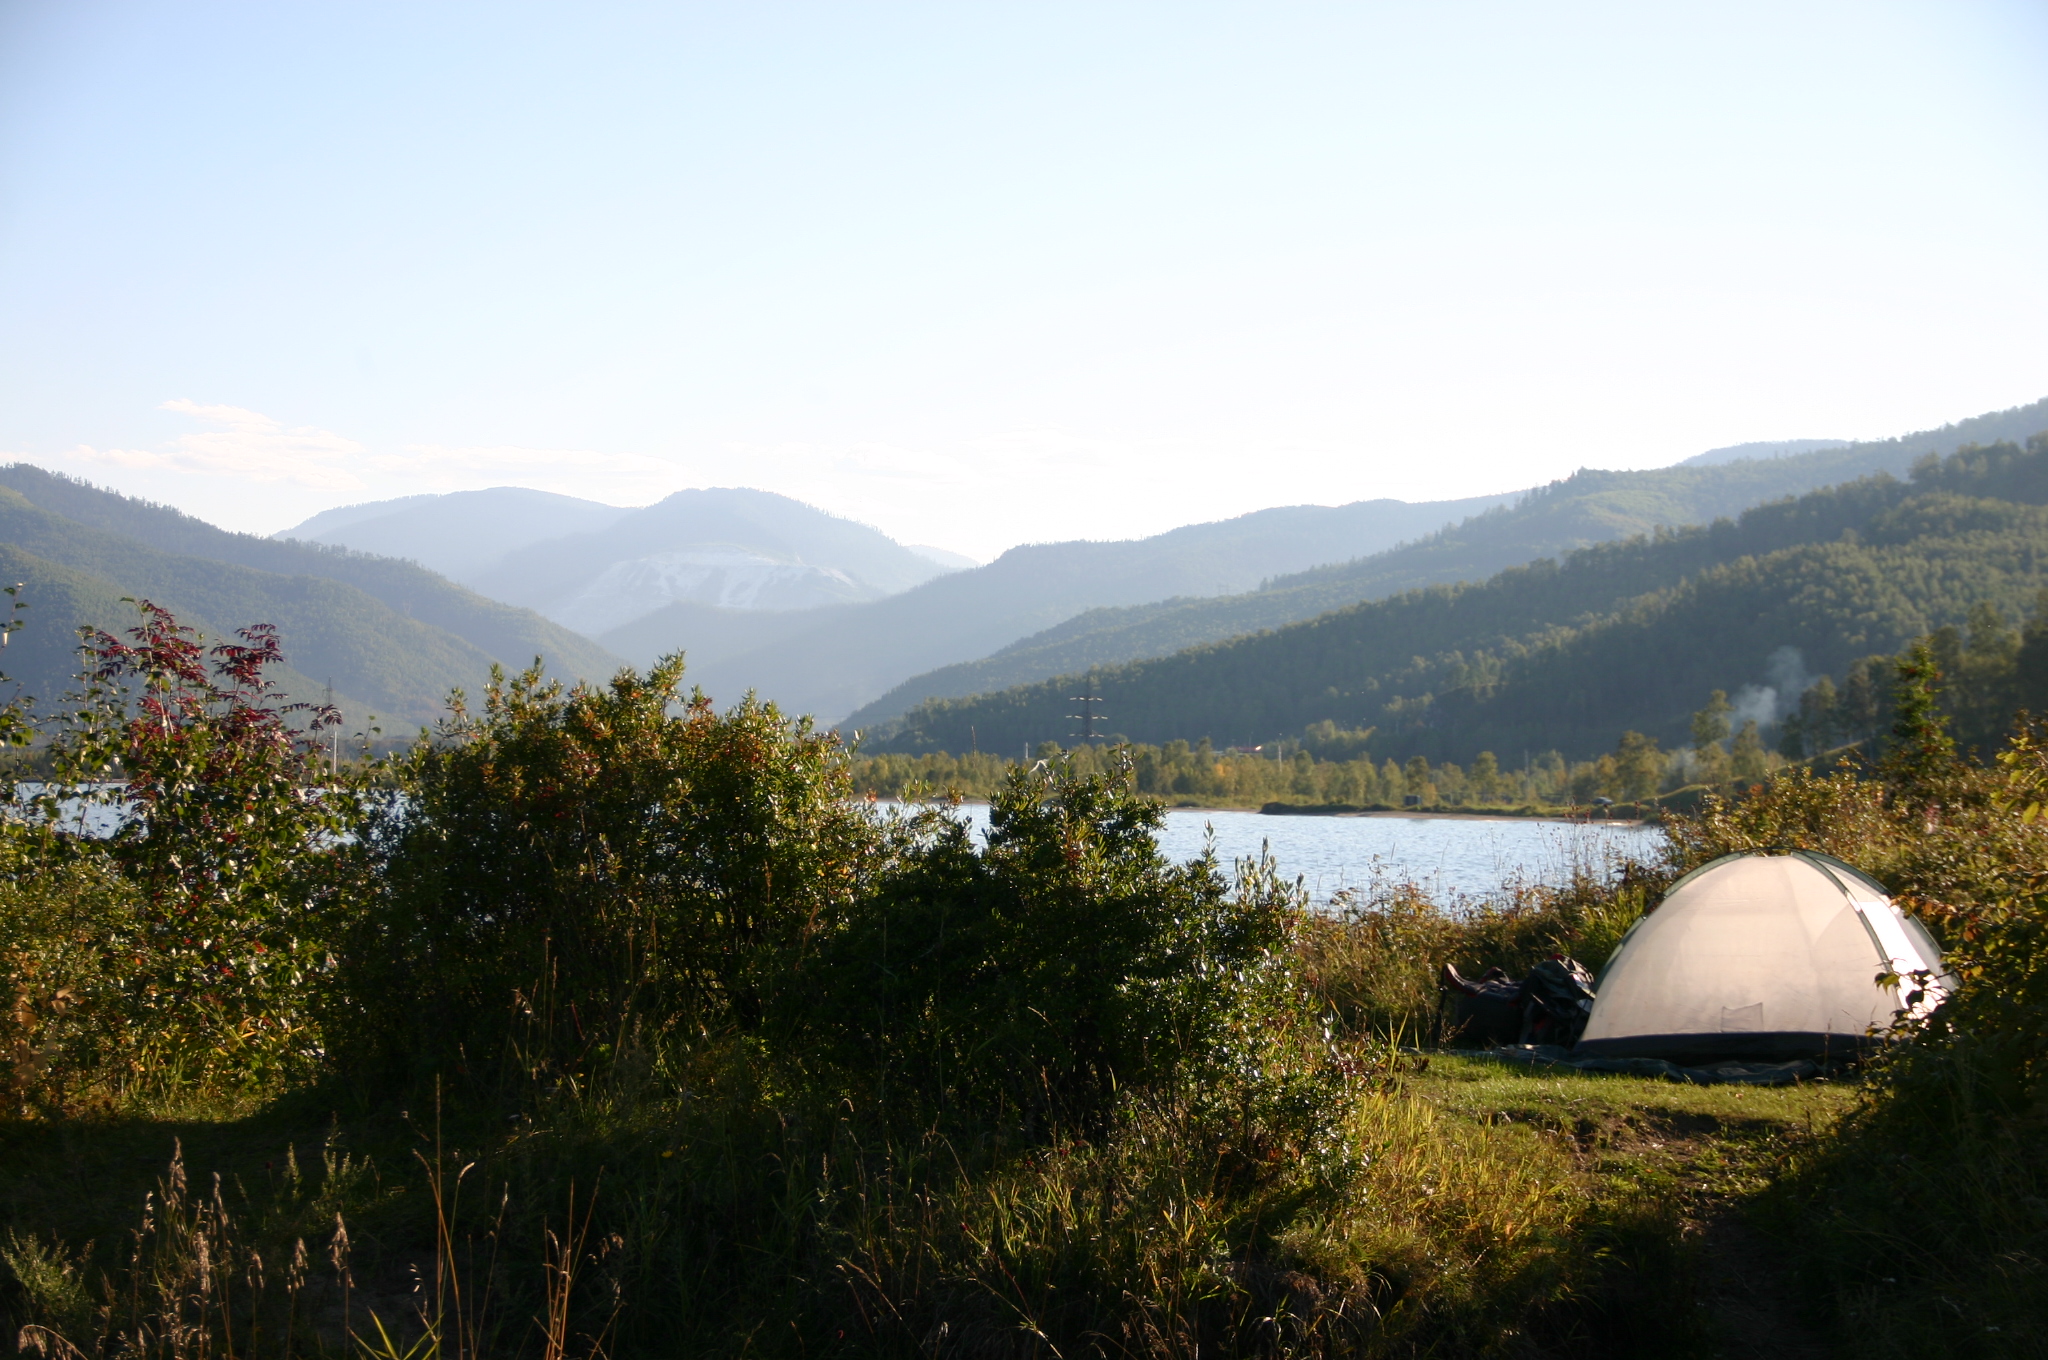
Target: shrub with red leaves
230 824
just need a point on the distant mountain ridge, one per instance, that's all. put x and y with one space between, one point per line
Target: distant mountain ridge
830 661
595 567
945 557
729 547
1589 507
457 533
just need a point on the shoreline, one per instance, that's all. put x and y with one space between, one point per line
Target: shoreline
1411 814
1456 816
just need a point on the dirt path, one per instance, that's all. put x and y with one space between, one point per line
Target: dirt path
1742 1281
1746 1284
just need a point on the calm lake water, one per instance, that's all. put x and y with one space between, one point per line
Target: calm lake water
1450 856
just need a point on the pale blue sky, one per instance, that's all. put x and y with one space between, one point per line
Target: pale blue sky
984 274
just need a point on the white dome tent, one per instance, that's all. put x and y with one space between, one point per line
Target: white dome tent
1761 956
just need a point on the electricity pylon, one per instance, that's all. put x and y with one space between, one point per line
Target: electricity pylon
1090 712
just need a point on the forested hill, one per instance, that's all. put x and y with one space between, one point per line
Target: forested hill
504 632
1589 507
1567 654
392 637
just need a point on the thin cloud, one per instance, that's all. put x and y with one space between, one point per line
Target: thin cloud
251 446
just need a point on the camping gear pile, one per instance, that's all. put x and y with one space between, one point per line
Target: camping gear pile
1550 1006
1757 967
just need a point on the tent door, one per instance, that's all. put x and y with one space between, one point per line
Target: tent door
1888 933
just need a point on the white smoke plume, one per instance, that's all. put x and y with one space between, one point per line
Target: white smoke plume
1767 704
1789 676
1753 703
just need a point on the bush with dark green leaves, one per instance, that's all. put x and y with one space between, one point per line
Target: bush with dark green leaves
574 870
1040 973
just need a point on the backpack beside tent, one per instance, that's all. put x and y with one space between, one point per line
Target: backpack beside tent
1549 1006
1762 957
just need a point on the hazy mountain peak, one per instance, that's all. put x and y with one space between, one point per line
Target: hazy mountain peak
595 567
459 532
727 547
327 522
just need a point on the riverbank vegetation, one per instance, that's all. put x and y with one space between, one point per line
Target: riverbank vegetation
1305 774
629 1030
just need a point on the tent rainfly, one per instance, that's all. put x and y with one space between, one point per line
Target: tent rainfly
1762 956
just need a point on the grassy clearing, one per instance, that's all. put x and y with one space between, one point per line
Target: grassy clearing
1674 1175
1456 1206
1726 1141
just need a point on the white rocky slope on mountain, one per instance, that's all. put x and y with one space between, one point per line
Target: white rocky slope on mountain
596 567
728 577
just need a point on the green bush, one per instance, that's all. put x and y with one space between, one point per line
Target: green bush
575 870
67 955
1985 1052
1039 975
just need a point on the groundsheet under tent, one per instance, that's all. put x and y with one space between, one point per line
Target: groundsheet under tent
1738 1073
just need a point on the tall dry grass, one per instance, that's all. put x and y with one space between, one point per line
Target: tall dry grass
1374 958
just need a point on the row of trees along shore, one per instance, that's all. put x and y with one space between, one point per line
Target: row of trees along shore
1289 773
602 1022
1993 668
